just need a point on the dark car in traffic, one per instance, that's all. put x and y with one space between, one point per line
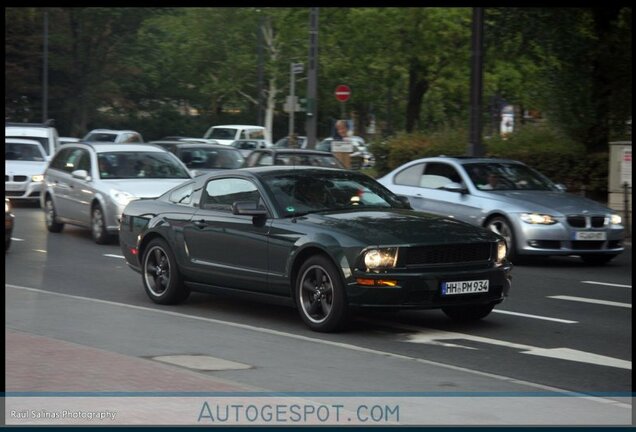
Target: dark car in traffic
325 240
201 158
292 157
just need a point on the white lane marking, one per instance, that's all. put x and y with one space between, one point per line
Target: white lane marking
332 343
536 316
434 336
40 250
114 256
605 283
589 300
16 239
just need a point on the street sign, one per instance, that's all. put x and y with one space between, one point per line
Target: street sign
343 93
298 67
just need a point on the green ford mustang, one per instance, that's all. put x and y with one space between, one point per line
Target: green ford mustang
325 240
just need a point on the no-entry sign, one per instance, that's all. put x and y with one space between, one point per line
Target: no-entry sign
343 93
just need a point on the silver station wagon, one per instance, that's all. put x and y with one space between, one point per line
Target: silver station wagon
533 214
89 184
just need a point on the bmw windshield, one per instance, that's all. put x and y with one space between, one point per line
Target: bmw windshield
507 176
313 192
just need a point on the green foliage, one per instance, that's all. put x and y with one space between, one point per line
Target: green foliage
557 156
404 147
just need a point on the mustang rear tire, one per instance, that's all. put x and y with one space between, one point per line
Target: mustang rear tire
468 313
160 275
320 295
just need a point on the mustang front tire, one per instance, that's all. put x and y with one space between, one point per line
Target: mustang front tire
320 295
160 275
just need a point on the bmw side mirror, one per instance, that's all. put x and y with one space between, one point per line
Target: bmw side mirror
455 187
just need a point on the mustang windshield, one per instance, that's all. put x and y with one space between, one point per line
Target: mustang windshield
129 165
311 192
507 176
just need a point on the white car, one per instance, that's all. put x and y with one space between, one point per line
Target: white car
43 133
113 136
25 162
227 134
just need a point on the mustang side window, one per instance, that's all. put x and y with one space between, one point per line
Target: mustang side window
220 194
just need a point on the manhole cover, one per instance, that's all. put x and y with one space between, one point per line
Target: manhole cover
201 362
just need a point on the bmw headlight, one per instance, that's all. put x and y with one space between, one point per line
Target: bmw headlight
536 218
375 259
502 251
121 198
37 178
615 219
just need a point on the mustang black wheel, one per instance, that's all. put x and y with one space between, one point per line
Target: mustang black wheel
51 217
320 295
98 226
161 278
468 313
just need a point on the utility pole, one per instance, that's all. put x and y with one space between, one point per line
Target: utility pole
475 147
312 80
45 69
261 67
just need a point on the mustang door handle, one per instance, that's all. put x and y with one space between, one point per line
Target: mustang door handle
200 223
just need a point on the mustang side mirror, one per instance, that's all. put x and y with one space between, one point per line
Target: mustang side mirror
248 208
405 202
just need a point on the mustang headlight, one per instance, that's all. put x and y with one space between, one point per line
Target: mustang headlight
536 218
37 178
375 259
7 206
502 251
615 219
121 198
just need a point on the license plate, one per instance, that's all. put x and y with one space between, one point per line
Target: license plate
465 287
590 235
13 187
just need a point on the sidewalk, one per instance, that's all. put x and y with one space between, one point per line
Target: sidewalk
42 364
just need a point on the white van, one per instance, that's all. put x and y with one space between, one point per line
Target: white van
44 133
227 134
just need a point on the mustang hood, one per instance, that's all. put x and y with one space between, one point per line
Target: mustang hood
386 227
548 202
145 188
